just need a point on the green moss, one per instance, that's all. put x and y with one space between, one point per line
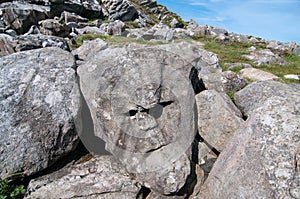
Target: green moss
131 24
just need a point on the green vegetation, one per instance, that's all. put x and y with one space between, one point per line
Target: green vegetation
113 40
232 52
131 24
10 191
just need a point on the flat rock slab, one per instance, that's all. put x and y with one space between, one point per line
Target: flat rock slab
142 105
257 75
99 177
39 103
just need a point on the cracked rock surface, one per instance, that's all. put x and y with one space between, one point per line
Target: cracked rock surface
39 103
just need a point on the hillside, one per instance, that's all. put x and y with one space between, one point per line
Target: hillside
124 99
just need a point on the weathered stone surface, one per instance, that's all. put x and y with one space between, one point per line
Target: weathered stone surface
218 118
120 9
116 28
21 15
39 103
88 8
54 27
100 177
6 45
257 75
265 56
9 45
262 158
163 33
71 17
255 94
227 81
142 104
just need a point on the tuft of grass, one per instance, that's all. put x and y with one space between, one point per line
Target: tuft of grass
10 191
84 37
131 24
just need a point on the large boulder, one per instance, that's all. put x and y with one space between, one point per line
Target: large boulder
39 103
218 118
255 94
119 9
262 158
99 177
116 28
142 105
54 27
21 15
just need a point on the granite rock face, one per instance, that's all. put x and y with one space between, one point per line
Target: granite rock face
99 177
142 104
262 158
39 103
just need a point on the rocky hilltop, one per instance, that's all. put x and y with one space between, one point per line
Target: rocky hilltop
124 99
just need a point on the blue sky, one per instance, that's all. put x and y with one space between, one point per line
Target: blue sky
268 19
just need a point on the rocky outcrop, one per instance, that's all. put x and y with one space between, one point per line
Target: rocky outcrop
119 9
54 27
265 57
39 103
9 45
90 9
262 157
20 16
99 177
113 28
145 119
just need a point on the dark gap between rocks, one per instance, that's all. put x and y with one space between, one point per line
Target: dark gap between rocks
198 84
143 193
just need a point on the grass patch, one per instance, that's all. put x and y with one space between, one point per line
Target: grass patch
10 191
114 40
232 52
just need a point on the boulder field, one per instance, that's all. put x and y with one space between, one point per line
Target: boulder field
151 115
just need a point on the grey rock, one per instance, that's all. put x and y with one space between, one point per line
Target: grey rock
218 31
142 104
90 9
257 75
174 23
232 66
90 30
116 28
54 27
296 51
254 95
21 15
99 177
163 33
39 103
11 32
265 56
120 9
71 17
227 81
9 45
6 47
218 118
261 159
276 45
